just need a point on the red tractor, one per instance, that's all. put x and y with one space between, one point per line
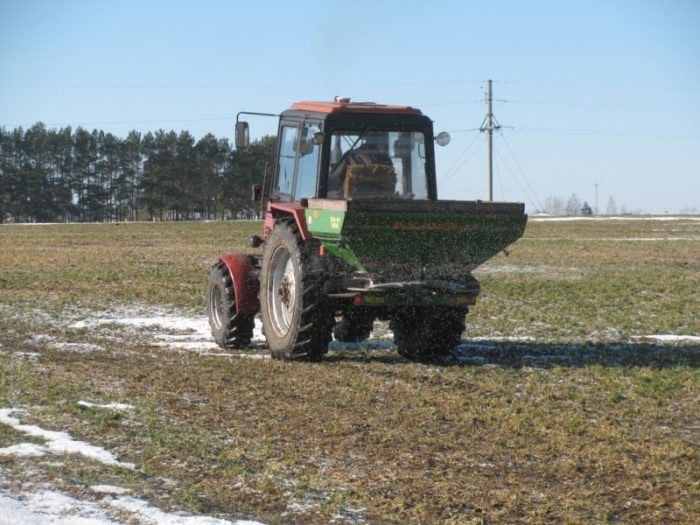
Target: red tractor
353 232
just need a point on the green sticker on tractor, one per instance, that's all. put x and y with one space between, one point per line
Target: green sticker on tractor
325 223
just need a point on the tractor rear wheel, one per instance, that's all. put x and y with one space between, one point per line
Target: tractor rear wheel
296 318
229 328
425 333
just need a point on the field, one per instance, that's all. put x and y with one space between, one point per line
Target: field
573 397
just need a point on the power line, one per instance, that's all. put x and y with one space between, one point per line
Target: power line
235 86
452 103
602 106
122 122
463 130
443 82
500 180
525 178
609 132
554 131
462 159
659 87
531 199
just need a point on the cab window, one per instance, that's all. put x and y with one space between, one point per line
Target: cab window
377 164
285 175
307 167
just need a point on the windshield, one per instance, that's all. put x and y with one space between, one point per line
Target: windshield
377 164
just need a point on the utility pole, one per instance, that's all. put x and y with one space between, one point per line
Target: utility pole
597 212
489 124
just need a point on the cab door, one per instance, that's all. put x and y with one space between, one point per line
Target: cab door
283 188
297 170
306 184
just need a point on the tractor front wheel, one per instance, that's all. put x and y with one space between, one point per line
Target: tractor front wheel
229 328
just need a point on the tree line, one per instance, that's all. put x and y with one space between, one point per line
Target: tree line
76 175
554 205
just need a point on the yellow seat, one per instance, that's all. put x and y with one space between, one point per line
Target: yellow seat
369 180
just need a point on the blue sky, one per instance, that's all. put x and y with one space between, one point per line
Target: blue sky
596 92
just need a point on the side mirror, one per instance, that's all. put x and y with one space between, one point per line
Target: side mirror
442 138
318 138
307 147
242 135
304 147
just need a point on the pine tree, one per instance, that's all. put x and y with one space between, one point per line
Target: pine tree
77 175
7 175
132 170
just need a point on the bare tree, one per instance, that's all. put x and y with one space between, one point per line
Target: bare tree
611 208
573 205
553 205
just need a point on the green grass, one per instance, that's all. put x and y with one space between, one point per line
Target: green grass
573 281
579 424
158 263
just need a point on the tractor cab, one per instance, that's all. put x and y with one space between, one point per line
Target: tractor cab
344 150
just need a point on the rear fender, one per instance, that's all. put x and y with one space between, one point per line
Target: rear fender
245 282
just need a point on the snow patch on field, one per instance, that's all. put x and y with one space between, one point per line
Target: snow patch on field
178 331
669 338
546 271
48 507
119 407
151 514
61 442
166 329
500 339
614 239
181 331
109 489
616 218
52 342
23 450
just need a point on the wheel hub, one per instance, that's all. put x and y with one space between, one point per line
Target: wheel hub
284 292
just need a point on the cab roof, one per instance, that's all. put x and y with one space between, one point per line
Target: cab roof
354 107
